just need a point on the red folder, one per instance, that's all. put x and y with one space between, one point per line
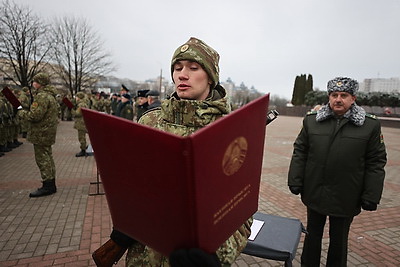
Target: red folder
172 192
68 103
11 97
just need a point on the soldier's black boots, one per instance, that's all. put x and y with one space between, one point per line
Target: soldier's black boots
17 143
48 188
82 153
4 149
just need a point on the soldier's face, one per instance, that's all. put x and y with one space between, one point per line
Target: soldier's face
191 80
340 102
36 85
141 100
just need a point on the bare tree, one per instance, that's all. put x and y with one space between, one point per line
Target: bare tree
78 54
23 45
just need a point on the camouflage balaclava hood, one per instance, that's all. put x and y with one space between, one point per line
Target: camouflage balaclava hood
42 79
198 51
342 84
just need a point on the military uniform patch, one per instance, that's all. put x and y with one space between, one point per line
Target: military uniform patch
381 138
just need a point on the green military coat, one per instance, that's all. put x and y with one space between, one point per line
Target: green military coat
339 162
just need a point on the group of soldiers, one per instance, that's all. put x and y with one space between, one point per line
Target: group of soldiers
11 126
120 104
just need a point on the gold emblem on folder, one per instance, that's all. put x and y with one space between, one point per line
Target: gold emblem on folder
234 156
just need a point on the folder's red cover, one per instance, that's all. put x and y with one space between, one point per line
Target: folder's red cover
172 192
68 103
11 97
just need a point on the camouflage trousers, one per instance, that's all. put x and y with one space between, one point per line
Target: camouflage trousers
82 139
141 255
45 162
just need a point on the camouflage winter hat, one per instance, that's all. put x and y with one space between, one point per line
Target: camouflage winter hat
42 78
80 95
198 51
343 84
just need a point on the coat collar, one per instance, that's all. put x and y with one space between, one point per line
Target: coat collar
355 114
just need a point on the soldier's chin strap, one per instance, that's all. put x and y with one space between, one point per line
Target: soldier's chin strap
272 115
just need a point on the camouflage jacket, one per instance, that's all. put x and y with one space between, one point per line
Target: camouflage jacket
3 111
79 123
25 100
43 117
183 117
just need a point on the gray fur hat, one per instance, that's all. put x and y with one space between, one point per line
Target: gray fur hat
343 84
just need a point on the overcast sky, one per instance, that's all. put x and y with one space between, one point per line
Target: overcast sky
262 43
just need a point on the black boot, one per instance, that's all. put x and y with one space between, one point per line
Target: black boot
1 154
82 153
17 143
4 148
11 145
48 188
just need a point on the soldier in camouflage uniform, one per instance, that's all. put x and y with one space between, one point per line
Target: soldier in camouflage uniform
24 99
43 118
3 118
81 102
198 100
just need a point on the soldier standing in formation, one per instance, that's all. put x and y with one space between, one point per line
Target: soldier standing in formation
43 118
153 99
81 102
24 99
142 104
125 109
4 122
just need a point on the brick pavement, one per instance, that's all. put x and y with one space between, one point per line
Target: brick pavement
65 228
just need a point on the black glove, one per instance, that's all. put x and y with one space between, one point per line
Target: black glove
295 189
367 205
122 239
193 257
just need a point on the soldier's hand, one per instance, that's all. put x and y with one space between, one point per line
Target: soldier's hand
295 189
368 205
193 258
122 239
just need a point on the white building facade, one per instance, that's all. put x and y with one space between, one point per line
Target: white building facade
390 85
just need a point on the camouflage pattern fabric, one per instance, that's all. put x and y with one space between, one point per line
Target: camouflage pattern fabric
183 117
42 78
43 117
3 119
45 162
198 51
79 123
25 103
